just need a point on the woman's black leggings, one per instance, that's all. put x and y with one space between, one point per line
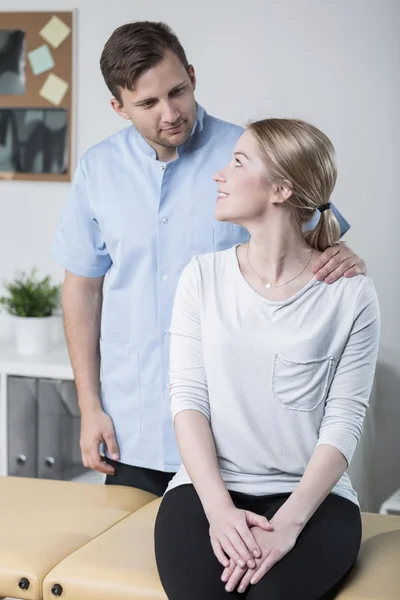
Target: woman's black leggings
314 570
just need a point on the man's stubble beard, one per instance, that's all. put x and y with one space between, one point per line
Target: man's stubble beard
166 142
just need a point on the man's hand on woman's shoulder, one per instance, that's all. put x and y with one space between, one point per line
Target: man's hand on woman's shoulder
336 262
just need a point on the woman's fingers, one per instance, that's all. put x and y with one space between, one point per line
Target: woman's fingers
219 553
271 559
228 571
245 550
251 545
236 579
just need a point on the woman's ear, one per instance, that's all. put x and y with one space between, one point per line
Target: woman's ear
282 192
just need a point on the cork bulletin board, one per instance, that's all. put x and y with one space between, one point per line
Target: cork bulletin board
36 50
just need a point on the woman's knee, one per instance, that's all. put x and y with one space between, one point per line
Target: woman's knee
185 560
323 555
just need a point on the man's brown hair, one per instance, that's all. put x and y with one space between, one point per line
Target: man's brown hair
134 48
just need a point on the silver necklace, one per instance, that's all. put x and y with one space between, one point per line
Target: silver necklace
268 284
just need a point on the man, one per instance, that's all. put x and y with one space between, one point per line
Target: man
142 206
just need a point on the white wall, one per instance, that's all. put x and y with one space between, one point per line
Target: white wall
333 62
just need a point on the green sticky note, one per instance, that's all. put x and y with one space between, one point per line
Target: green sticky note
41 59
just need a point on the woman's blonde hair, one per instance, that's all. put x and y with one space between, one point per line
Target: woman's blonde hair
301 154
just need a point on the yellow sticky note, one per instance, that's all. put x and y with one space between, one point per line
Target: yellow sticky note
55 32
54 89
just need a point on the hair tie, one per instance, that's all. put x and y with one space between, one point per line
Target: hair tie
324 207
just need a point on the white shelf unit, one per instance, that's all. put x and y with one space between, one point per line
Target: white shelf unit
53 365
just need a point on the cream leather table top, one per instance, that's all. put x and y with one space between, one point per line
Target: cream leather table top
376 575
120 564
43 521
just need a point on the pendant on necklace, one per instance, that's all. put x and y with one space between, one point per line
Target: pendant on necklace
267 285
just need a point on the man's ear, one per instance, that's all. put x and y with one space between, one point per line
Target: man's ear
119 109
192 76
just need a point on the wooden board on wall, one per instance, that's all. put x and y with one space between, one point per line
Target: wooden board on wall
32 23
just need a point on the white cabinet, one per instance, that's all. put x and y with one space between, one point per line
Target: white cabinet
39 419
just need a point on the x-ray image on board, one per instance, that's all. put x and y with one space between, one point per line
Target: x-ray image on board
12 62
33 140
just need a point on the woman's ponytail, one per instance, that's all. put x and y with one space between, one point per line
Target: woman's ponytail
327 231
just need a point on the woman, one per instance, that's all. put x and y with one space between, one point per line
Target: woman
271 373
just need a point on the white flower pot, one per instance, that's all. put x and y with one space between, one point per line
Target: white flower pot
7 327
33 335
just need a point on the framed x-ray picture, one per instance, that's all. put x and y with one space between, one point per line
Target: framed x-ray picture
36 80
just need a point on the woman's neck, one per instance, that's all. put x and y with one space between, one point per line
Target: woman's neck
277 250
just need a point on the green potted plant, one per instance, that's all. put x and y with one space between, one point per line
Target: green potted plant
32 302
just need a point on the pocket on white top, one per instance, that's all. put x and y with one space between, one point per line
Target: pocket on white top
298 385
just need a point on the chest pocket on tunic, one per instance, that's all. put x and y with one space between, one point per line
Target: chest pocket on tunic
300 385
120 384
